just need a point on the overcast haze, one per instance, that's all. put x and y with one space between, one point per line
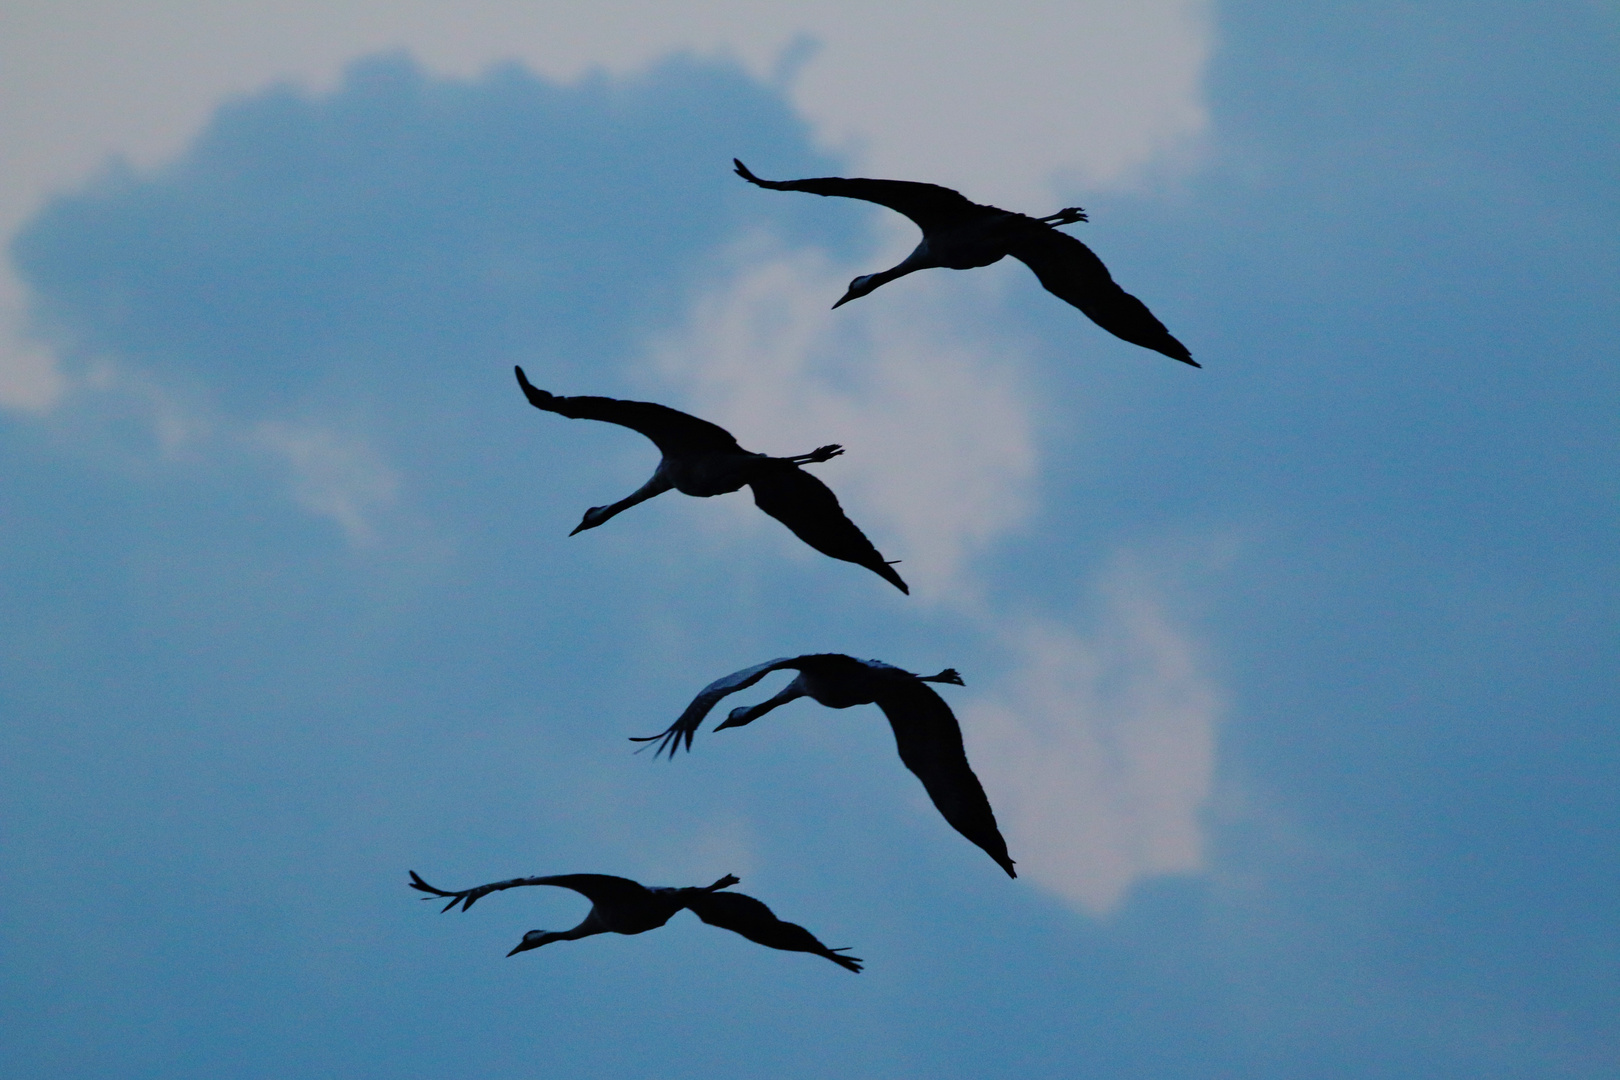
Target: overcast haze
1291 679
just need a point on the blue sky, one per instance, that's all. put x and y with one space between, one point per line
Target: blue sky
1291 678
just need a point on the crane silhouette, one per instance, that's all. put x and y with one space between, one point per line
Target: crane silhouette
622 906
925 730
961 235
703 459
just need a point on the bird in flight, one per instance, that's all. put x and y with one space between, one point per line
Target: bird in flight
702 459
961 235
622 906
925 730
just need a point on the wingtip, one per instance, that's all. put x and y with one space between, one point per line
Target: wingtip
536 396
887 572
1175 350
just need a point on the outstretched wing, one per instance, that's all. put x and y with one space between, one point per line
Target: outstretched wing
673 431
596 887
930 743
808 507
670 738
753 920
929 205
1072 272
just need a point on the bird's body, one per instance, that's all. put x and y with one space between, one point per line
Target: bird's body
622 906
959 234
703 459
926 733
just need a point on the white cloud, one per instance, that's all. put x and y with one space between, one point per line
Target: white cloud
334 475
999 99
939 457
1099 753
330 473
29 379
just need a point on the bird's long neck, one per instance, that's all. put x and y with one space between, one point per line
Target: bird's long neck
659 484
589 928
534 939
910 266
750 713
599 515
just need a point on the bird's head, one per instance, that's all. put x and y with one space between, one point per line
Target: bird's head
859 288
534 939
593 517
743 714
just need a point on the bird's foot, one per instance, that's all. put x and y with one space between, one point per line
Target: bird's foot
1067 216
852 963
820 453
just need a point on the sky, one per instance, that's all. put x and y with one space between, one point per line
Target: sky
1290 678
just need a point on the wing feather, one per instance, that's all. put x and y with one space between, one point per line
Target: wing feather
808 507
1072 272
686 726
673 431
753 920
595 887
930 743
929 205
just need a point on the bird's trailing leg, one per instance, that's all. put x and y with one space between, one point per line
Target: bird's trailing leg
1066 216
820 453
949 675
724 883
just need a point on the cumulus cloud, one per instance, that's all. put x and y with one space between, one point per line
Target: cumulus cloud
1099 751
29 379
292 286
940 453
1009 101
333 474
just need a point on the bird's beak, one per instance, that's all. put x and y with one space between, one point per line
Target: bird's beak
851 295
525 945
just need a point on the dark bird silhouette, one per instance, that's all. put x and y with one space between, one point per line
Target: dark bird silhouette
962 235
622 906
925 731
703 459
